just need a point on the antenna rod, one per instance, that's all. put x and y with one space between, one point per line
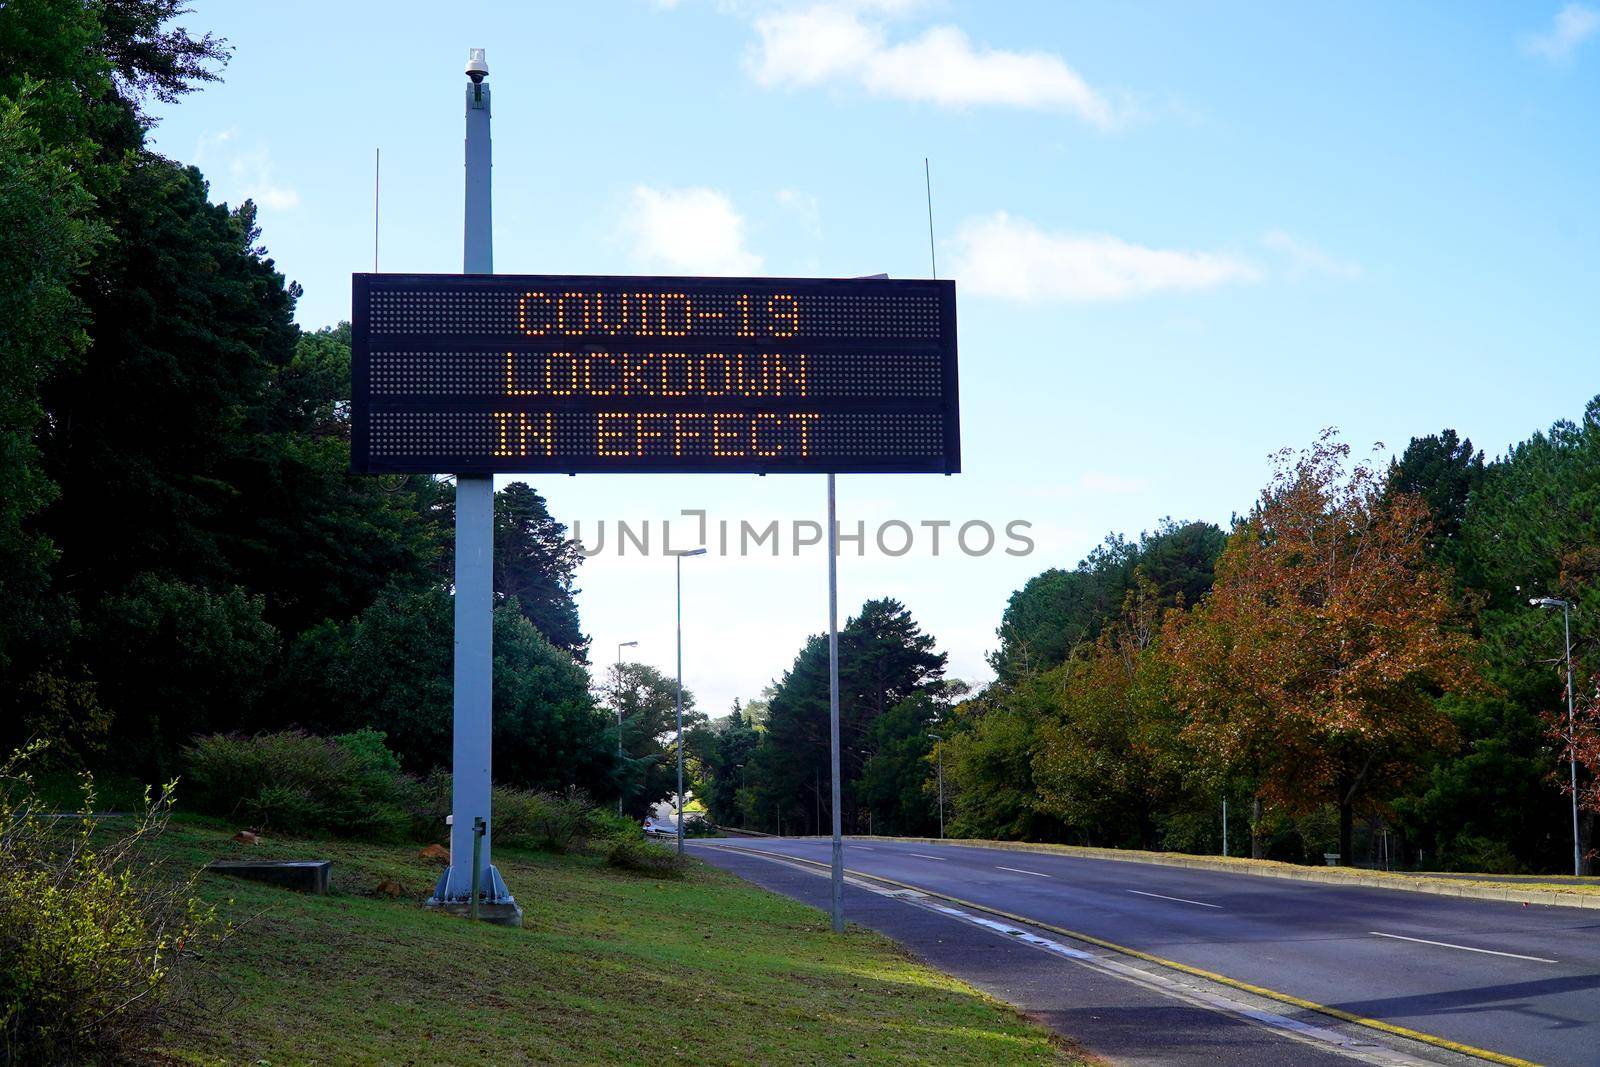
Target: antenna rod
927 180
377 173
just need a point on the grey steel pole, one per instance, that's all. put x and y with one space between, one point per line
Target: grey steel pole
679 563
471 773
1572 743
941 792
1224 826
837 878
680 703
620 646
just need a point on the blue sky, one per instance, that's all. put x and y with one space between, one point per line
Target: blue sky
1184 236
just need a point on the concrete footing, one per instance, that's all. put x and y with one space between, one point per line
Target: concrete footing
506 914
308 876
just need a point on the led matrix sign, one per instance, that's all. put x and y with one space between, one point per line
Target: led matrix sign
505 373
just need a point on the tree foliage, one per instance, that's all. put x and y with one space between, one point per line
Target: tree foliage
1060 611
885 660
184 545
536 562
646 703
1325 640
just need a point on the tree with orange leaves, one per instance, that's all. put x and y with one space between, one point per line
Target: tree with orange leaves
1314 665
1579 741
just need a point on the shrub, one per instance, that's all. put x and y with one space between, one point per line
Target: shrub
1481 855
602 824
296 783
631 852
89 928
546 821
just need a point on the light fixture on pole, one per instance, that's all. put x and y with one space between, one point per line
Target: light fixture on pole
1572 748
680 555
939 757
620 646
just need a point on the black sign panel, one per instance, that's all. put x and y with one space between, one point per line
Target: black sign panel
580 374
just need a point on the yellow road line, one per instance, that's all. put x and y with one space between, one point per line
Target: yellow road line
1212 976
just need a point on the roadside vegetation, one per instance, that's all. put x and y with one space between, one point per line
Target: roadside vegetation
116 945
611 967
92 923
1353 666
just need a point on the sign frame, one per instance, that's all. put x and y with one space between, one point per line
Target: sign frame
364 403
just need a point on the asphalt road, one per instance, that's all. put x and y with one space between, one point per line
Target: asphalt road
1522 981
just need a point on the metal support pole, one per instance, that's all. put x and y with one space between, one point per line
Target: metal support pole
471 772
940 759
1224 826
833 707
620 646
680 704
1572 746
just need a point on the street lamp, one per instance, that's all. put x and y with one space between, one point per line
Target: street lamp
939 756
1572 747
680 555
620 646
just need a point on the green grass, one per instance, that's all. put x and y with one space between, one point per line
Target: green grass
610 967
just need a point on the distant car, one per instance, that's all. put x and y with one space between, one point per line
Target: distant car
654 827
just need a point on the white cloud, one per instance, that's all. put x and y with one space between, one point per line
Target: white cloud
687 231
238 174
805 207
831 42
1006 257
209 141
1304 258
1574 24
1093 483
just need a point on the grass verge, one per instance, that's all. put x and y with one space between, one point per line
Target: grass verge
610 967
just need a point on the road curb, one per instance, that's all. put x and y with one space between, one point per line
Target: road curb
1322 876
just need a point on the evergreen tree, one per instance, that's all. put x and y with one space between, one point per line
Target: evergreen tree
884 659
1060 611
646 701
536 562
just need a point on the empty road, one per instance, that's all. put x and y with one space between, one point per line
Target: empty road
1521 981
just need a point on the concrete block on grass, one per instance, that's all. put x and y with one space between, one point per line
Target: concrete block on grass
308 876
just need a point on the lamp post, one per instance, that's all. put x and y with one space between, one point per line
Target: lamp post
680 555
939 758
1572 748
620 646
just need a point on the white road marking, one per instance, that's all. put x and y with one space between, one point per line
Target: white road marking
863 848
925 856
1463 948
1180 988
1019 870
1180 900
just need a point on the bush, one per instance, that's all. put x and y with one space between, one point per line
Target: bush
1481 855
602 824
296 783
527 819
631 852
89 929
